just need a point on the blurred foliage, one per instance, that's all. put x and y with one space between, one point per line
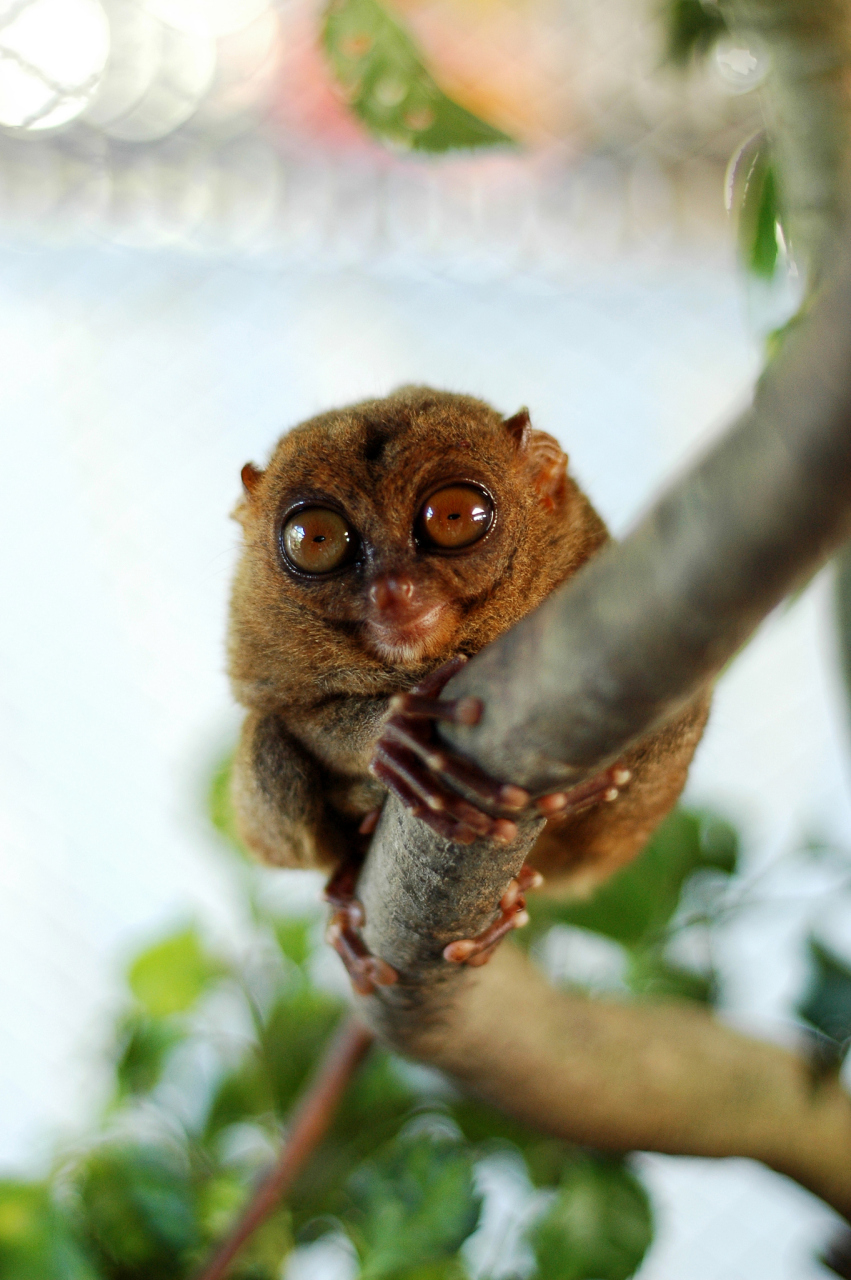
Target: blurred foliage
211 1051
150 1194
692 29
170 977
645 906
38 1240
220 807
754 194
826 1005
383 77
415 1204
599 1224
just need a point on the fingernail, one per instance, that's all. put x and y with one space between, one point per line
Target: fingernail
457 952
468 710
514 797
504 831
435 760
521 918
510 896
435 803
621 776
552 803
611 794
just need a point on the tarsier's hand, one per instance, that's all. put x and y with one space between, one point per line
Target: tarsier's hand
428 777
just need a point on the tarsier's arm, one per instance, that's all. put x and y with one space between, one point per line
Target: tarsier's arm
279 798
592 830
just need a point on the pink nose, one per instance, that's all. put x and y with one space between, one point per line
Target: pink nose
392 593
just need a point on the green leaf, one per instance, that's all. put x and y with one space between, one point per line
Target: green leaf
693 28
264 1253
372 1110
827 1003
140 1209
220 1201
169 977
719 843
483 1125
294 937
378 1098
448 1269
843 616
383 77
37 1241
598 1227
220 807
293 1038
775 341
635 906
414 1205
756 194
650 974
241 1095
144 1045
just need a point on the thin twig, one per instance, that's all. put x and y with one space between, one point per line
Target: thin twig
310 1121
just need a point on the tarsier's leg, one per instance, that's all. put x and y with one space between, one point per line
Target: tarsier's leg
365 970
277 791
278 794
512 915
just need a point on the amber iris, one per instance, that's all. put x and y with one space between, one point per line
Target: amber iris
317 540
456 517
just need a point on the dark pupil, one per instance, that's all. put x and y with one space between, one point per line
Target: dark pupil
320 537
454 515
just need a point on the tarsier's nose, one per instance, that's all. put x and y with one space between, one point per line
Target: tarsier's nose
392 593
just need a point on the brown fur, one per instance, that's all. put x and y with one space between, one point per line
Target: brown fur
316 666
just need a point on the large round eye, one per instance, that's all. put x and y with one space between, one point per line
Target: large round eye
456 517
317 540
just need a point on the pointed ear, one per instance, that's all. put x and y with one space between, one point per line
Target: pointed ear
546 462
251 477
519 427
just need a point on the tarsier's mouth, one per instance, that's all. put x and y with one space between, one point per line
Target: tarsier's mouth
411 639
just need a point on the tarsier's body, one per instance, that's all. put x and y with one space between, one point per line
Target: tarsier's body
381 541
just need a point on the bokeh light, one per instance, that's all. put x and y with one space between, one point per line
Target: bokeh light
52 58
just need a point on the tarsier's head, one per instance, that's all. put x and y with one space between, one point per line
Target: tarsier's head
385 537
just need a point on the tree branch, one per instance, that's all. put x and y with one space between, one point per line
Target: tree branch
308 1125
622 646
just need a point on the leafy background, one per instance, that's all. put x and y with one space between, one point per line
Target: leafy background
210 1052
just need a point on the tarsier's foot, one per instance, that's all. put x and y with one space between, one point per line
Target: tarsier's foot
418 769
343 933
513 915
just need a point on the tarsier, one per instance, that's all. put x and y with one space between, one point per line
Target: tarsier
384 544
